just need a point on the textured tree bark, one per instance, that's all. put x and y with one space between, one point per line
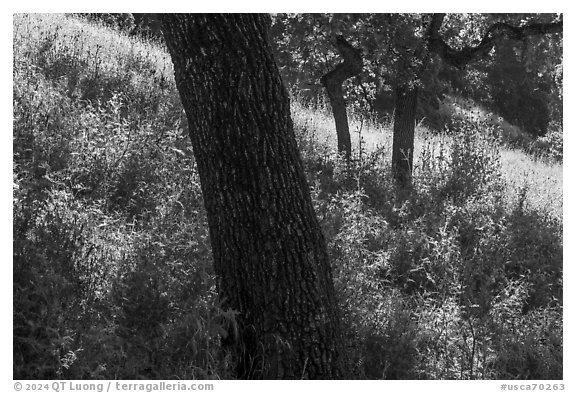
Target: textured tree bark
403 141
333 80
269 252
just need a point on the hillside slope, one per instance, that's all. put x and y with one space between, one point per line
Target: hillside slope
459 279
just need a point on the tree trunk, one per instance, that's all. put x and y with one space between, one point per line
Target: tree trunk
403 142
333 80
269 252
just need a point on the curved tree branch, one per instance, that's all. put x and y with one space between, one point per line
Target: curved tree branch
497 32
435 24
349 67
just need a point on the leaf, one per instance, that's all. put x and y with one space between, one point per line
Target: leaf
178 151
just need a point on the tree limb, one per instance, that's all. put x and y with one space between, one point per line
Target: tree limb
351 64
435 24
496 33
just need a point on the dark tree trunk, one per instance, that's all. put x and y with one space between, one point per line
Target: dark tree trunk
333 80
336 97
269 252
403 142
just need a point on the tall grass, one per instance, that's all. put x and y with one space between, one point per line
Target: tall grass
541 177
460 279
112 268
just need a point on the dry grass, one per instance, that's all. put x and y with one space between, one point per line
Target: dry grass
543 179
105 52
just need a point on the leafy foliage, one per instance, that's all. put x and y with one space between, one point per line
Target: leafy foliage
520 81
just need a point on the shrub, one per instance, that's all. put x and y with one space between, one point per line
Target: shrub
549 146
475 163
59 277
528 345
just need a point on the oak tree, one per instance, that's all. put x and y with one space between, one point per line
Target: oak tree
401 53
333 80
432 43
316 55
269 252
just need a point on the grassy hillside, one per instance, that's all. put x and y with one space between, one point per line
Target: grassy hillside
542 178
459 279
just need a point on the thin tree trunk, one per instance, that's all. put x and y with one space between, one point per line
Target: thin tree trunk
403 141
333 80
336 97
269 252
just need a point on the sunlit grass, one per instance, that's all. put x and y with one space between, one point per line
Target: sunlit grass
93 62
542 178
97 45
